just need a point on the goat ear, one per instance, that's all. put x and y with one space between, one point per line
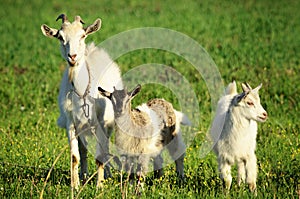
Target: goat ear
246 87
257 88
49 32
94 27
104 92
135 91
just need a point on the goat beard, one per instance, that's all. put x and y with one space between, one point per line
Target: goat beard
71 74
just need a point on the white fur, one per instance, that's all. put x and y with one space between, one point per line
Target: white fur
88 66
181 118
234 131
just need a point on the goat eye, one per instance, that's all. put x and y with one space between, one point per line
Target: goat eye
250 103
83 36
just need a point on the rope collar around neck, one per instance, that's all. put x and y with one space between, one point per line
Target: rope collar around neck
85 107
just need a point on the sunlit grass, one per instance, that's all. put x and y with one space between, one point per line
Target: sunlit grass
249 41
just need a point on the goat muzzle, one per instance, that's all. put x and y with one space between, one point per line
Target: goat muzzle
72 59
71 63
264 116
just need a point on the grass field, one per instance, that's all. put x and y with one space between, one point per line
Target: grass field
253 41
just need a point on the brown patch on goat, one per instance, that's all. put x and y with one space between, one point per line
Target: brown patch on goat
164 109
74 160
166 113
140 118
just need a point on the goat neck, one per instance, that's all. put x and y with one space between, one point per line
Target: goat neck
79 76
124 121
241 123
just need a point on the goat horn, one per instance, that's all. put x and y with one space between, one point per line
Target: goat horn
248 85
78 19
63 17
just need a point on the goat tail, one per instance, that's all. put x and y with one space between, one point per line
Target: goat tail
182 118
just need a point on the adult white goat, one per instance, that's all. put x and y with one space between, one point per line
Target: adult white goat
142 133
234 131
83 111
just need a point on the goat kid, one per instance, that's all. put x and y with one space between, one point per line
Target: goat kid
234 131
83 111
143 132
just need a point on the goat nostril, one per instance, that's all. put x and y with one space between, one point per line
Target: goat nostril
72 56
265 114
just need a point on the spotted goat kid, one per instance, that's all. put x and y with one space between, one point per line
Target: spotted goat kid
142 133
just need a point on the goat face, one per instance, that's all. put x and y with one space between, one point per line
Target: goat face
249 102
72 37
121 99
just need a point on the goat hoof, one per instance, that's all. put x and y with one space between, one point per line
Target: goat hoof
227 185
252 187
100 185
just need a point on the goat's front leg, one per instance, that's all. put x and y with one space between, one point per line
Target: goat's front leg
251 172
128 166
75 157
241 171
225 171
142 167
83 159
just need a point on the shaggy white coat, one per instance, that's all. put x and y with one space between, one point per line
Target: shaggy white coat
142 133
234 131
83 111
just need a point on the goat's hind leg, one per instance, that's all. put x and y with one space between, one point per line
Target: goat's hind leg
180 167
100 166
241 171
100 173
177 149
102 153
157 166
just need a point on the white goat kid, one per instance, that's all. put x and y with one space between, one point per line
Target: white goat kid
82 108
234 131
142 133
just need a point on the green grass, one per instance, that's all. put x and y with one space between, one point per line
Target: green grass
253 41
